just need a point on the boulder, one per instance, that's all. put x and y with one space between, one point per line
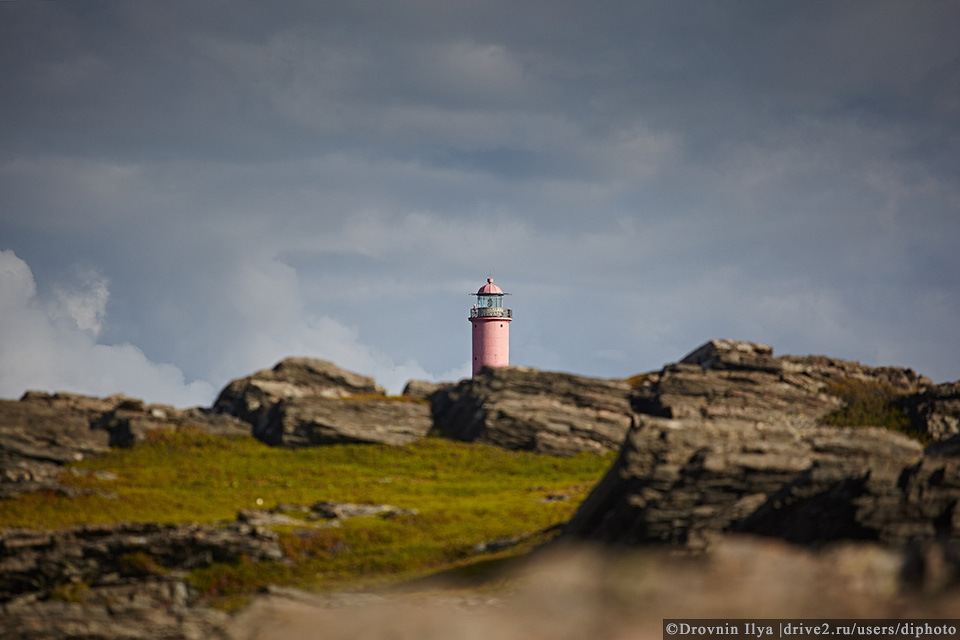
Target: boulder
304 402
252 397
731 439
312 421
524 408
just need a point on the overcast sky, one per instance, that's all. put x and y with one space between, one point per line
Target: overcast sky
191 190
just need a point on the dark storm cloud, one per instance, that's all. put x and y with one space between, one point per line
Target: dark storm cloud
253 180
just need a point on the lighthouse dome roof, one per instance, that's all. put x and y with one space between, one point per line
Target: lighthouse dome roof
489 288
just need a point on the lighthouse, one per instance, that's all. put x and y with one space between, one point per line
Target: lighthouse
491 328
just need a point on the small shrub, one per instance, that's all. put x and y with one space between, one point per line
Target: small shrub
232 582
140 563
75 592
311 543
869 403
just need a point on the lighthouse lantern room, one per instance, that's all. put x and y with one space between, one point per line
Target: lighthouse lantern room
491 328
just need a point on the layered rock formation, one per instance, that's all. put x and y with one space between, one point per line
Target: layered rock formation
936 410
251 398
305 422
118 581
898 504
522 408
307 402
37 562
41 432
730 439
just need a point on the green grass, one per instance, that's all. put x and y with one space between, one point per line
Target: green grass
464 494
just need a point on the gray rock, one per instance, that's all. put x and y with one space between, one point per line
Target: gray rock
900 505
129 423
422 389
37 562
688 481
936 410
546 412
329 510
42 432
305 402
305 422
730 439
142 613
252 397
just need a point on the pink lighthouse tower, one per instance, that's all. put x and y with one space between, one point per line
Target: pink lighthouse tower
491 328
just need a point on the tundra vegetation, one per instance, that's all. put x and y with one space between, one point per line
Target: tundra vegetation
465 495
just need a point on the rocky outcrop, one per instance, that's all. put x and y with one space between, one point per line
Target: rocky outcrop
421 389
731 439
306 422
305 402
36 563
147 611
118 581
546 412
744 381
41 432
936 410
130 421
252 397
906 505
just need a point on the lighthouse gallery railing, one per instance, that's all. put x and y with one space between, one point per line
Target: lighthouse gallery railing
491 312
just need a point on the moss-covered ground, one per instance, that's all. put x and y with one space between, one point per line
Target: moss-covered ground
464 494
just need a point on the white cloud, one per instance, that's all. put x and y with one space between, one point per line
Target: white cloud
53 346
84 303
271 322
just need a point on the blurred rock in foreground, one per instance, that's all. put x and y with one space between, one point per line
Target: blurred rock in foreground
571 594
